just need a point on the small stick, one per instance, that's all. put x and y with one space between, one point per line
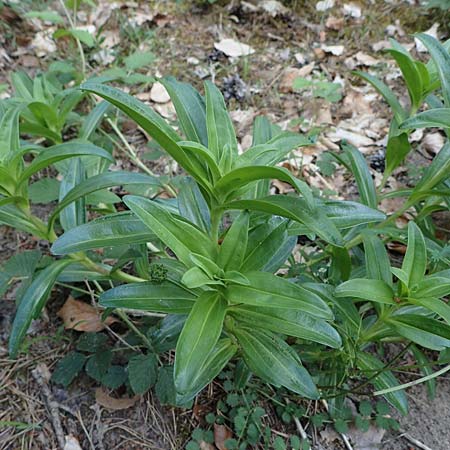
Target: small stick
414 441
52 405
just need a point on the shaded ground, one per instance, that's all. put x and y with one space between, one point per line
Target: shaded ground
182 38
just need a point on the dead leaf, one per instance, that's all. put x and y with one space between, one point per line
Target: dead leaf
433 142
336 50
159 94
324 5
365 59
43 43
221 434
81 316
233 48
352 10
335 23
366 440
205 446
433 31
290 74
71 443
105 400
356 139
273 8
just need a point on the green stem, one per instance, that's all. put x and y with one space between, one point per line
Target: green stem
133 327
216 217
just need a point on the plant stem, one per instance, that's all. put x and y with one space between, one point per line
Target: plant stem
133 327
216 216
80 47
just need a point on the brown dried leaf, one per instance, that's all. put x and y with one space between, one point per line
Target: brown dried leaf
105 400
81 316
205 446
221 434
290 74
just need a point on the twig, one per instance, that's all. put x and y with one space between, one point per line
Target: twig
415 441
52 405
299 426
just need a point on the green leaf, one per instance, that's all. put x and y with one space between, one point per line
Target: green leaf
165 387
436 172
415 260
108 231
221 135
68 368
138 60
83 36
427 332
234 245
9 132
198 339
432 286
378 266
114 377
101 181
190 108
242 176
295 209
144 116
46 16
12 216
44 190
93 119
181 237
411 75
289 322
165 297
441 57
195 278
32 302
433 304
142 372
60 152
267 290
92 342
358 167
98 364
215 362
365 289
397 148
274 361
428 119
382 379
192 204
75 213
388 95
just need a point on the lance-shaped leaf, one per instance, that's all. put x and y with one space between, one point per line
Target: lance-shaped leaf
433 286
242 176
102 181
60 152
411 75
365 289
192 204
93 119
164 297
190 108
264 242
75 213
296 209
358 166
32 303
433 304
381 378
441 58
180 236
234 245
12 216
274 361
215 362
427 332
144 116
9 132
439 117
378 266
271 291
198 339
397 148
291 323
108 231
426 368
388 95
436 172
415 261
221 134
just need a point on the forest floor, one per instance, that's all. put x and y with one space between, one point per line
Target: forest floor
299 40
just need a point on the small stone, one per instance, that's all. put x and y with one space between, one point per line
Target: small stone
158 93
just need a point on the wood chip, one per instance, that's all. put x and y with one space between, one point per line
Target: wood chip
105 400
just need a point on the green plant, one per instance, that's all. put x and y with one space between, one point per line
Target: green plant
211 258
